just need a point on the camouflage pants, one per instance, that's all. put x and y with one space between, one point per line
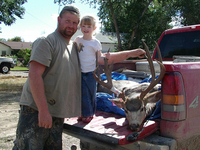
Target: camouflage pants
29 136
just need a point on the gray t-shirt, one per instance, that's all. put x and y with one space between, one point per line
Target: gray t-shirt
62 76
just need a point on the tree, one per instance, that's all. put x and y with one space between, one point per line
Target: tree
112 14
25 54
133 20
2 39
10 9
188 11
16 39
65 2
136 20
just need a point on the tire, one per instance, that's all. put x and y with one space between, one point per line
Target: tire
5 68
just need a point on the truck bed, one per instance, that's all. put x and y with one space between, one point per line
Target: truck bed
109 128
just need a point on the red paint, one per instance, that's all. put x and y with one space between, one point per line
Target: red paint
113 126
190 73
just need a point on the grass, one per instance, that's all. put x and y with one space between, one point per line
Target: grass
18 68
12 83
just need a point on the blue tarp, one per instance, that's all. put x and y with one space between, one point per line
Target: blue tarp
103 104
115 75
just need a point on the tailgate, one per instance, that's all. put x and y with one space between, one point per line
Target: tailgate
108 127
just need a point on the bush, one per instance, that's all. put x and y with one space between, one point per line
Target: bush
24 54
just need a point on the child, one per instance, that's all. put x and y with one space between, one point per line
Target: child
88 46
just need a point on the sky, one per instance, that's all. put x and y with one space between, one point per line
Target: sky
40 19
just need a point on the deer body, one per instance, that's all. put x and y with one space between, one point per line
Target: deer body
137 100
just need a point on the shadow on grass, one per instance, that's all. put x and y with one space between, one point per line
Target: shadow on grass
10 89
9 97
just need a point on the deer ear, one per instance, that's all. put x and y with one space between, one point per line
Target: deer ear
122 95
152 97
118 102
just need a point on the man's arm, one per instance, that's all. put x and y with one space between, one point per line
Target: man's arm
37 89
123 55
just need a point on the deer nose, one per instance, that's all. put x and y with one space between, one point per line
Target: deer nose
134 127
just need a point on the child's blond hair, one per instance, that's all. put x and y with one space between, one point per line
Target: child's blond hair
88 20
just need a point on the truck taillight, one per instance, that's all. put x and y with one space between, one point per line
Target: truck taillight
173 98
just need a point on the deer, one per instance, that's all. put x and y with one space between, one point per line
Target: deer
137 99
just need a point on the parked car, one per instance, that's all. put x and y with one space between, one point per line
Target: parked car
5 64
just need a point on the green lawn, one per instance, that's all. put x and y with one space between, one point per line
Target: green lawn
19 68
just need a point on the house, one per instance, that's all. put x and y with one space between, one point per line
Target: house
11 47
106 41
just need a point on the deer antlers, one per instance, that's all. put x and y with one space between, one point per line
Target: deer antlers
162 70
108 71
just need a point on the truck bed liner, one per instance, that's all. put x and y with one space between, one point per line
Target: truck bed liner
107 127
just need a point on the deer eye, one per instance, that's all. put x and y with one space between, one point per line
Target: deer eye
141 109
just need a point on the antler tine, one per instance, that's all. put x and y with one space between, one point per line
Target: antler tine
108 71
149 60
97 65
160 59
153 81
159 54
162 67
143 93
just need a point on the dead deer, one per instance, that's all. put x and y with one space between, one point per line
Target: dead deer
137 100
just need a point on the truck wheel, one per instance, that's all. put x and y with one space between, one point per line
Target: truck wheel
5 69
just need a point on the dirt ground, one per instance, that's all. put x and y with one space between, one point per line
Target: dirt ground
9 108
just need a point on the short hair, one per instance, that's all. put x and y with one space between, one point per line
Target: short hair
88 20
71 9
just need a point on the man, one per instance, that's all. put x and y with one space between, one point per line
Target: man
52 91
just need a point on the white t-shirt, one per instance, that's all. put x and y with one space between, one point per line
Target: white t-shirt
87 53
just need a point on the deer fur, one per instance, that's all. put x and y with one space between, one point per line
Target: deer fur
135 109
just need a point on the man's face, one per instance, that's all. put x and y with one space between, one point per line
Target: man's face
67 25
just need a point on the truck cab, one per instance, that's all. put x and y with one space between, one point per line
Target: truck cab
184 41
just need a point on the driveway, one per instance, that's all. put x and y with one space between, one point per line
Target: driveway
15 73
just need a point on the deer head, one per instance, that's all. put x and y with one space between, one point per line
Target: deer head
140 99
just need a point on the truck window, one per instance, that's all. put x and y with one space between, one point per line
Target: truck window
184 43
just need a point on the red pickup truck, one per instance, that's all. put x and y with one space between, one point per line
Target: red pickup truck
179 124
